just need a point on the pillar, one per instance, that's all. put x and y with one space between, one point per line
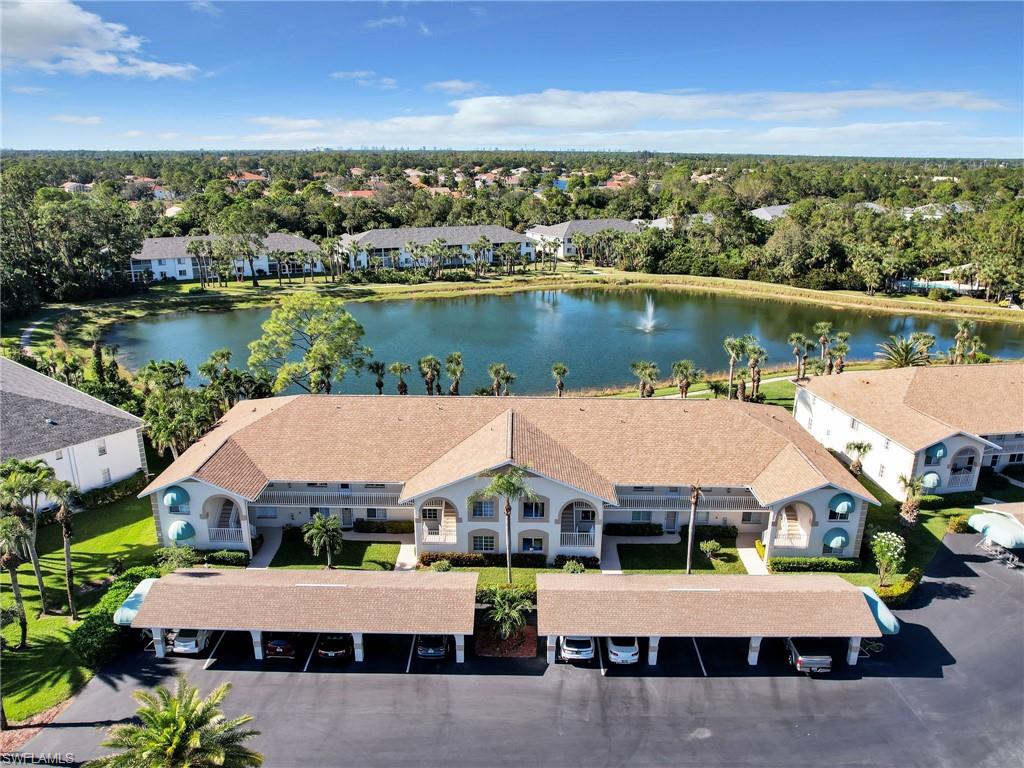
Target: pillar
552 643
652 650
769 546
753 651
357 645
853 651
257 643
160 642
460 649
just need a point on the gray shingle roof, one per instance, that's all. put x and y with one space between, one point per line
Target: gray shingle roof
461 235
174 247
770 212
567 229
39 414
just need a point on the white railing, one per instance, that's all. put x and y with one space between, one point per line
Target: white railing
784 540
437 535
314 498
961 479
225 534
646 501
579 539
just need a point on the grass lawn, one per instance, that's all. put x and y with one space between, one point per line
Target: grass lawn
999 488
359 555
47 672
498 577
671 558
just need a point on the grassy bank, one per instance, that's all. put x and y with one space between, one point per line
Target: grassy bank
358 555
671 558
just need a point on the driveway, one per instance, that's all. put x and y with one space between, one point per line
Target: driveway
947 691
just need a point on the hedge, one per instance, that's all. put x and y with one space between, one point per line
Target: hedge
236 557
633 529
702 532
830 564
899 593
362 525
586 562
172 558
97 639
485 559
483 594
964 499
108 494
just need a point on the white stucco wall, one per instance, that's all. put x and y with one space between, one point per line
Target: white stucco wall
82 465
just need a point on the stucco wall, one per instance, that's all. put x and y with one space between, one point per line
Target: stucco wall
82 465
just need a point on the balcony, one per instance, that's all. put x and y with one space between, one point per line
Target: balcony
225 534
961 479
578 539
429 535
653 502
324 498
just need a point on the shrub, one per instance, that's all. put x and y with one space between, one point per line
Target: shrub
759 546
890 550
585 561
958 524
829 564
96 639
117 564
485 559
235 557
574 566
484 595
702 532
196 289
940 294
710 548
441 565
362 525
899 593
172 558
507 610
633 529
108 494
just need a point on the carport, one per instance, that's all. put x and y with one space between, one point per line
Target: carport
271 600
754 607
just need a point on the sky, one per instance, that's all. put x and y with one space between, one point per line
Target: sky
922 79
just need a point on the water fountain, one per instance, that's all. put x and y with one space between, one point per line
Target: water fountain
647 321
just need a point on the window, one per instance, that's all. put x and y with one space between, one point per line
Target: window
179 509
105 474
101 447
886 446
182 273
374 486
854 424
752 517
483 543
313 511
430 513
643 489
932 461
266 513
881 470
483 509
376 513
1016 458
316 485
838 515
641 516
587 515
58 455
161 262
533 510
533 544
827 550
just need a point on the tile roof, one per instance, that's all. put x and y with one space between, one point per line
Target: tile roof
567 229
174 247
286 600
460 235
590 443
918 406
39 414
818 605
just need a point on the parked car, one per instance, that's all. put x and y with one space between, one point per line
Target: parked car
812 655
431 646
279 647
338 647
622 650
575 648
190 640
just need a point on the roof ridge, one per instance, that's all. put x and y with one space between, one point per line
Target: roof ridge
510 414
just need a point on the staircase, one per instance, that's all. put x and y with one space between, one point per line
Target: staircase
790 533
226 511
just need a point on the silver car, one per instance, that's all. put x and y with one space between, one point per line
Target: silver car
622 650
812 656
190 640
577 648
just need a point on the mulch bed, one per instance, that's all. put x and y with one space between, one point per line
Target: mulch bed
521 646
19 733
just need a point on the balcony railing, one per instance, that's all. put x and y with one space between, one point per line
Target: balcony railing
324 498
650 501
577 539
961 479
437 535
225 534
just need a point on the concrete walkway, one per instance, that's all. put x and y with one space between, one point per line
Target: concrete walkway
1010 480
707 392
406 558
271 543
610 564
748 555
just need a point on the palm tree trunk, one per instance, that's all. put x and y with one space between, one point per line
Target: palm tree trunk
34 557
732 370
508 539
328 548
3 716
69 576
689 536
19 602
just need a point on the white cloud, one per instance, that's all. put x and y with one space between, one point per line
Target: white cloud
168 135
27 90
77 119
401 22
204 6
60 36
366 78
133 134
455 87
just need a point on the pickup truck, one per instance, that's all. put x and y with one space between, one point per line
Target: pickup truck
812 655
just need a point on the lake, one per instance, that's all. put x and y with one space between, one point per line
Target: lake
596 332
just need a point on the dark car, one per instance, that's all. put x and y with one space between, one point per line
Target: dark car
431 646
338 647
279 647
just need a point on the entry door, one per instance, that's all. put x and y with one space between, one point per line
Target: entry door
346 517
670 520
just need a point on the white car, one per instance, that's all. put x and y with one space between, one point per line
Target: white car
577 648
191 640
622 650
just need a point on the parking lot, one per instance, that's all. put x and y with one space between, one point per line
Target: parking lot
945 692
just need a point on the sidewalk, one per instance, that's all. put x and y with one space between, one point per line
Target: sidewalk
748 554
271 543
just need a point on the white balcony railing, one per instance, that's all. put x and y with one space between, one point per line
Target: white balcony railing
430 535
961 480
577 539
650 501
225 534
323 498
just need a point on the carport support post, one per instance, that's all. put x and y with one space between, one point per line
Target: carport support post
853 651
460 649
357 645
160 642
257 643
753 651
652 650
552 642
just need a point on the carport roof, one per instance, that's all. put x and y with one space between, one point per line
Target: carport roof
312 601
818 605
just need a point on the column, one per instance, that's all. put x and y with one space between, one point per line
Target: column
753 651
257 643
853 651
357 645
160 642
652 650
769 546
552 643
460 649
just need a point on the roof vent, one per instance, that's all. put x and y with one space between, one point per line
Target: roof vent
51 422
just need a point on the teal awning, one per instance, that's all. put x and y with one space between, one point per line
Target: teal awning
936 452
836 538
181 530
931 480
1003 530
175 496
842 503
885 619
124 615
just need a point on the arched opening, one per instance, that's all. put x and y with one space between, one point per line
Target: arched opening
578 523
223 519
438 517
963 467
793 525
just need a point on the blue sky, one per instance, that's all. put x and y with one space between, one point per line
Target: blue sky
919 79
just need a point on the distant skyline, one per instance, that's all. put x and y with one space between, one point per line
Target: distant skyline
921 79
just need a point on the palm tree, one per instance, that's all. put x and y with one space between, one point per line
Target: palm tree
798 341
823 331
430 369
179 729
647 372
717 388
695 494
29 479
858 449
685 374
559 371
64 492
454 367
734 347
901 352
507 611
511 485
507 380
323 532
912 487
13 540
839 351
399 370
378 368
924 340
755 354
497 373
975 346
964 331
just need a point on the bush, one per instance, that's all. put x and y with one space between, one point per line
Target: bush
456 276
361 525
117 564
759 546
702 532
97 638
899 593
196 289
585 561
484 559
235 557
633 529
574 566
484 595
441 565
710 548
958 524
108 494
829 564
940 294
172 558
964 499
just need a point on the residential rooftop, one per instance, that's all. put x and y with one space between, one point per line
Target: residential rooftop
175 247
459 235
567 229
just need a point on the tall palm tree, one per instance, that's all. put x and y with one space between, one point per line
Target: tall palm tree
497 372
28 480
839 352
507 380
13 540
511 485
717 388
823 331
430 369
974 347
647 372
964 331
695 494
559 371
180 729
924 340
65 493
399 370
798 341
455 368
734 347
378 368
685 374
858 449
901 352
755 355
912 487
323 532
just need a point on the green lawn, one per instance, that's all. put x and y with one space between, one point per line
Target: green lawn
359 555
47 672
671 558
498 577
999 488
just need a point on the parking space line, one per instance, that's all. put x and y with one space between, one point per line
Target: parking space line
311 651
211 658
412 646
699 657
600 656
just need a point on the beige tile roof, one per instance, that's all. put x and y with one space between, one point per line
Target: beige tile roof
282 600
818 605
919 406
592 443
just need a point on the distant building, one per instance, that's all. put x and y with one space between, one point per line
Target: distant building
563 234
166 258
770 212
76 187
390 246
244 178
